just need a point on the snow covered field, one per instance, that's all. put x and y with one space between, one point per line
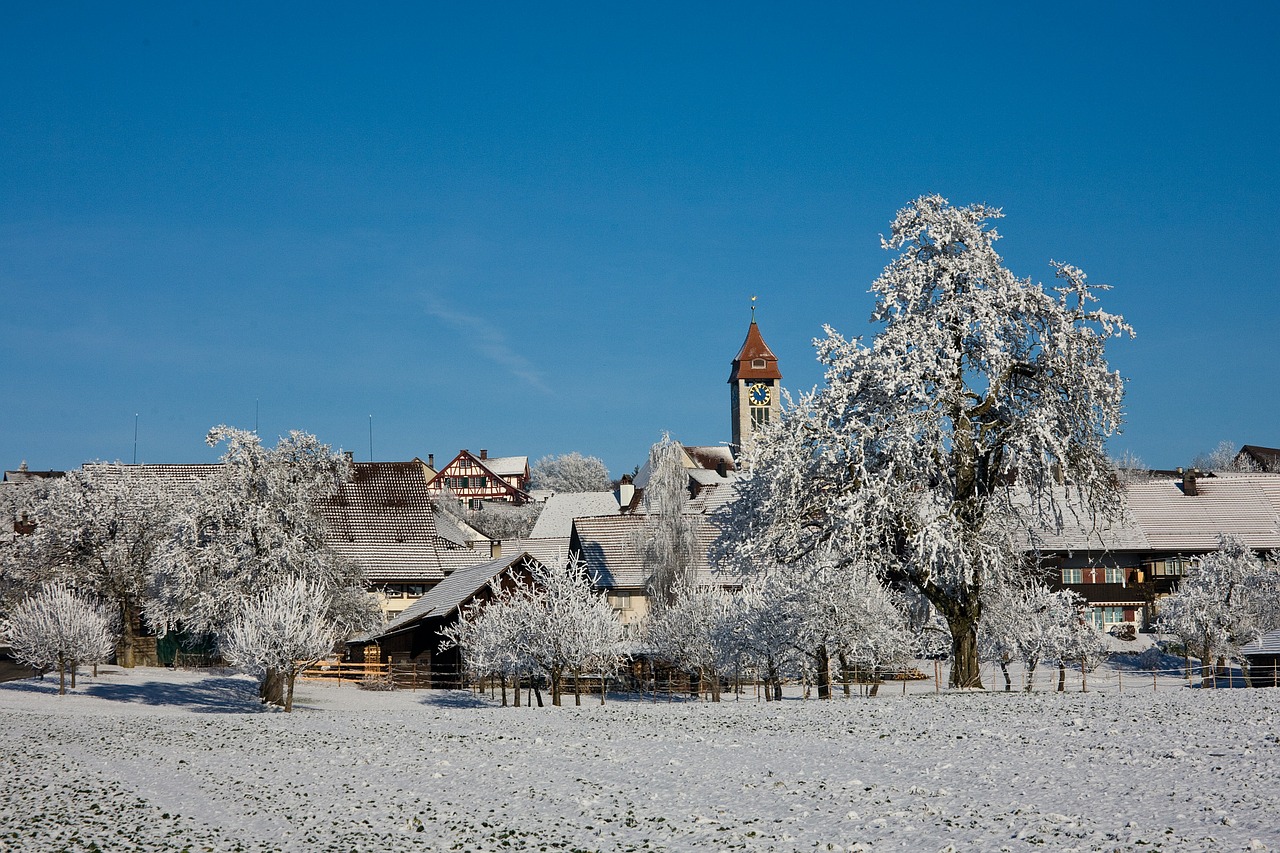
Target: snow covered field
157 760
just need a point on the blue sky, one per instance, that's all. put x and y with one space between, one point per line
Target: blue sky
536 229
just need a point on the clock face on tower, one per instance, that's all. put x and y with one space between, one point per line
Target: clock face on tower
758 394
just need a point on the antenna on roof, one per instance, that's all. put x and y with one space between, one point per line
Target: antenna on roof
255 415
135 438
370 438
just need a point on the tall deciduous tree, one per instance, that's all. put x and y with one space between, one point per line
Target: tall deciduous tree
255 524
977 384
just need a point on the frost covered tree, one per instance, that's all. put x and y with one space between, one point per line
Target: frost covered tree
58 628
981 396
667 540
695 630
255 524
1230 598
102 528
557 623
282 630
570 472
1224 457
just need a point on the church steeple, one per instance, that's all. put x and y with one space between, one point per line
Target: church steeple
754 386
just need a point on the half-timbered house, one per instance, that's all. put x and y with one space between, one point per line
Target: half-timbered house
473 479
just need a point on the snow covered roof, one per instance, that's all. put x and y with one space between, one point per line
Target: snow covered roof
383 518
454 590
608 546
1267 644
561 509
1081 532
1160 517
1244 505
548 550
506 466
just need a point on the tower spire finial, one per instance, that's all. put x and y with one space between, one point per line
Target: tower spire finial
753 309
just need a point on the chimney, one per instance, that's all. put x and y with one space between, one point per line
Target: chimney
626 492
431 460
484 454
351 456
1189 487
495 549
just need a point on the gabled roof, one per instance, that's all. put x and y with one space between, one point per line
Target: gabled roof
755 349
499 478
1267 644
455 590
1160 517
1266 458
558 513
1244 505
507 466
608 546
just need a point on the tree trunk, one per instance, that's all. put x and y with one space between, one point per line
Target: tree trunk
271 690
288 693
1008 682
62 676
517 703
822 667
502 679
1206 666
1062 677
128 636
555 687
1031 674
74 668
845 674
537 692
577 688
965 669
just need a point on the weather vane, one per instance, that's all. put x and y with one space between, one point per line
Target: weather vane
753 309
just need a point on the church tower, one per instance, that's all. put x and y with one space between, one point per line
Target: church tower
755 384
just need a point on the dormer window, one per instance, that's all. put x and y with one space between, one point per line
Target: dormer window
758 364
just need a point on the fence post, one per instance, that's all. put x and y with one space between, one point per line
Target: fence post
1120 680
937 679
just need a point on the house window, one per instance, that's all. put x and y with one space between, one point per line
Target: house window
1102 617
1114 575
1073 575
621 601
479 482
477 504
1176 567
757 364
759 416
414 590
393 590
463 482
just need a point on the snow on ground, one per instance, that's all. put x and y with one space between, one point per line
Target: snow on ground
157 760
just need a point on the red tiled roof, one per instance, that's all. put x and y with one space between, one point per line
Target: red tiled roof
754 348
